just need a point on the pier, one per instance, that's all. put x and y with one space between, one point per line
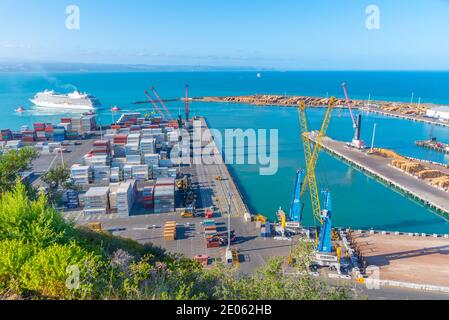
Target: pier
433 145
380 169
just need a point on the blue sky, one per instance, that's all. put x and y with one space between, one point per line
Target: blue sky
283 34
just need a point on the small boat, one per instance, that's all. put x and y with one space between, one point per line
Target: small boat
89 113
20 109
115 108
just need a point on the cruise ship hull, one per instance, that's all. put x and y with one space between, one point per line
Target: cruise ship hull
62 106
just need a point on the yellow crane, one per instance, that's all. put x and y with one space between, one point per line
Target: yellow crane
311 154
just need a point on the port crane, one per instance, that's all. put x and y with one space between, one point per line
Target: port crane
324 251
356 123
155 105
162 103
296 208
187 103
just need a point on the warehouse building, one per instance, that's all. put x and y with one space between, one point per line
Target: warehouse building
441 113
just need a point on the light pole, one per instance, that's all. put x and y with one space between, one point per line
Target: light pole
229 221
374 136
62 158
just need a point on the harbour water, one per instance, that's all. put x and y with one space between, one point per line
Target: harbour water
358 201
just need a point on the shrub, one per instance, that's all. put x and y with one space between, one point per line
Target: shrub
28 220
13 255
52 272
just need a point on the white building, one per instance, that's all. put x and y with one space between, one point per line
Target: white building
441 113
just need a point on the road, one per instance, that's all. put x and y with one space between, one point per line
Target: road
73 156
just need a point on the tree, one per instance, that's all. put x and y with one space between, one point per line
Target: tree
57 177
12 163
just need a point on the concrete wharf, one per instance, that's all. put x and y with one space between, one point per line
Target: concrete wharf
380 168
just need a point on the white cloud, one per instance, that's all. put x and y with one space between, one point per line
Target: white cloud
16 46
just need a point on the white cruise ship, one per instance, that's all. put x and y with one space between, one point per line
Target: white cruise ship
72 101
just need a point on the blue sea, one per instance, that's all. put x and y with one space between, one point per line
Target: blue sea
358 201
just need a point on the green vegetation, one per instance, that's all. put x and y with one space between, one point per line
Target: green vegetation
57 177
42 256
12 163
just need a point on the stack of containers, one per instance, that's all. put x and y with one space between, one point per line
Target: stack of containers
151 159
96 201
159 172
173 138
115 174
49 131
133 159
66 120
166 163
76 125
147 133
172 173
148 146
39 126
59 133
88 124
140 172
102 174
132 145
124 131
118 163
127 172
210 232
72 201
102 147
173 124
101 153
99 161
28 137
39 129
16 136
81 175
71 133
119 142
113 187
67 125
6 135
125 198
164 195
148 197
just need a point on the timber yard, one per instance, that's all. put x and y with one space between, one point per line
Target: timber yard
128 184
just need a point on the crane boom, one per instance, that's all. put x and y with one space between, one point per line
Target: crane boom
356 123
187 102
155 105
161 102
295 209
348 103
311 155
